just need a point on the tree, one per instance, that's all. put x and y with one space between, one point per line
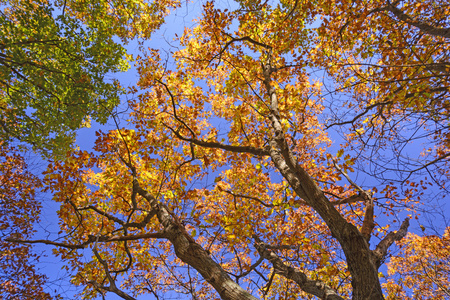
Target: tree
228 183
399 62
54 62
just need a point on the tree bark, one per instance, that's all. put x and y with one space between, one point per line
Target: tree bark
192 253
364 272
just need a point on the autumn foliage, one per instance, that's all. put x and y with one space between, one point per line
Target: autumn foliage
282 150
421 268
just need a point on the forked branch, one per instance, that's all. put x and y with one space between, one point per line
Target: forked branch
313 287
381 250
424 27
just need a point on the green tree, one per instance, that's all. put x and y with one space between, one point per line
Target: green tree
55 59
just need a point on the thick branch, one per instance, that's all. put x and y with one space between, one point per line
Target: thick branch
192 253
217 145
368 223
365 281
296 176
313 287
426 28
381 250
149 235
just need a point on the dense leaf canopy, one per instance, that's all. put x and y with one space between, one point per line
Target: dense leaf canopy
54 64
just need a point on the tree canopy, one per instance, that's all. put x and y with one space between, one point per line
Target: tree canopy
54 65
275 150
